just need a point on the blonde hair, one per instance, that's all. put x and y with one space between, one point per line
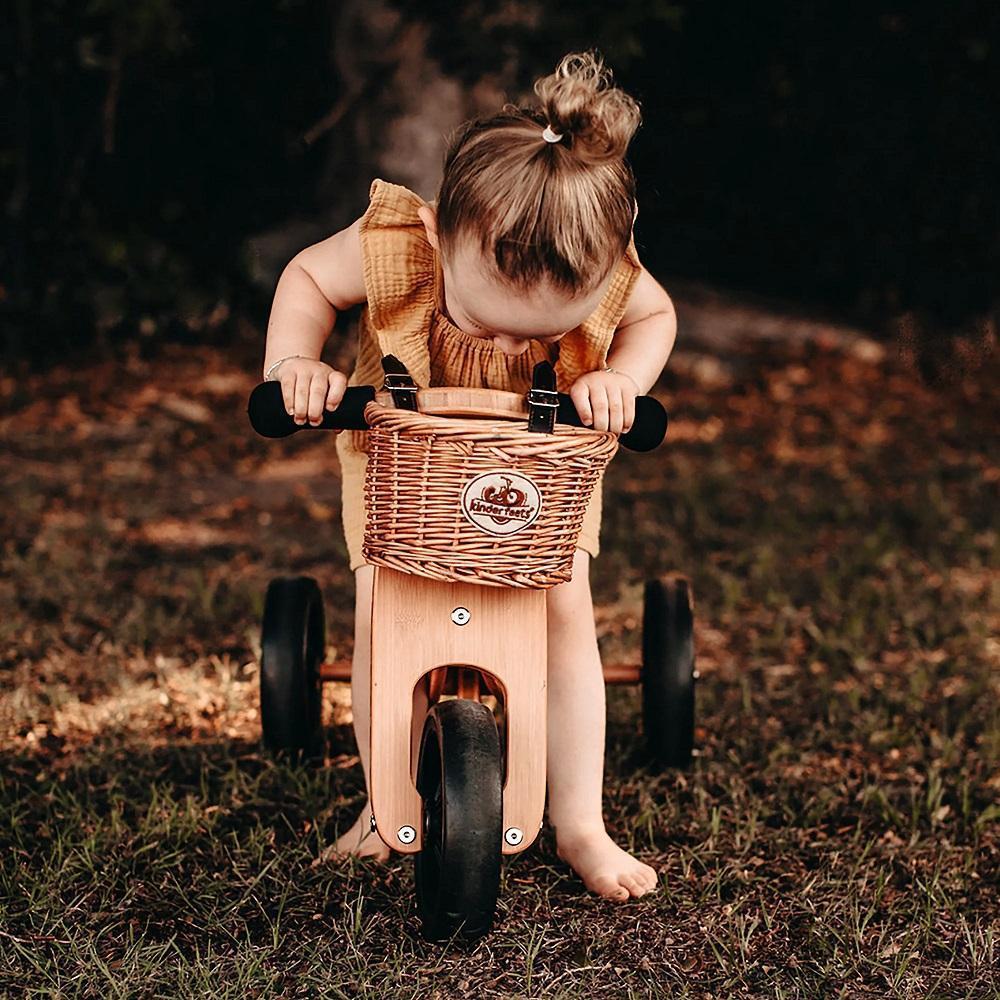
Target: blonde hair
560 211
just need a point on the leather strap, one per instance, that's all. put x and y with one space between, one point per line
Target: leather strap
543 400
399 383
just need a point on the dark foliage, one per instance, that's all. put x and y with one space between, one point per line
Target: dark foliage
843 155
151 138
838 154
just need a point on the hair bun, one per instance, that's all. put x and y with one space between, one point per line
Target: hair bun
580 102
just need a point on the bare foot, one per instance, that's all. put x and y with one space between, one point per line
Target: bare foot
361 840
604 867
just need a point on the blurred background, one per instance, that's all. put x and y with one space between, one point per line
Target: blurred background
165 158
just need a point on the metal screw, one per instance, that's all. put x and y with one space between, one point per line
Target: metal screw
513 836
461 616
406 834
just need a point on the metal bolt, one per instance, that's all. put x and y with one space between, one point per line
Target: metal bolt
406 834
461 616
513 836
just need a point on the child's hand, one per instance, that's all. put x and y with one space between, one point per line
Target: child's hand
605 400
308 387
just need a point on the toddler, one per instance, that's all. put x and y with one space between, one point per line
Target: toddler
526 255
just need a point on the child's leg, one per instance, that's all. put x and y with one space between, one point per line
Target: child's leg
576 717
360 839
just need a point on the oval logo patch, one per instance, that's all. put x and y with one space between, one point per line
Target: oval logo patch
501 503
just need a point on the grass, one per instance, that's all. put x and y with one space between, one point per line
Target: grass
836 837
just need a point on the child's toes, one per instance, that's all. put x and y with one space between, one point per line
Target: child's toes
633 883
639 880
610 887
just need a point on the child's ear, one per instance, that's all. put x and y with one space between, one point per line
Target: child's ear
429 218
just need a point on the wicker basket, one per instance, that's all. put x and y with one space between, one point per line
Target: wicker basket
481 500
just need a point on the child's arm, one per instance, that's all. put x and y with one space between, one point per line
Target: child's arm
646 334
317 282
639 350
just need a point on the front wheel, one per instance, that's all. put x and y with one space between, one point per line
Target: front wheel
459 778
668 673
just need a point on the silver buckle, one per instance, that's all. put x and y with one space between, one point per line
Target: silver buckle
543 397
395 383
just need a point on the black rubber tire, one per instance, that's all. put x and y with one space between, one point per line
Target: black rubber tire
668 671
457 871
292 643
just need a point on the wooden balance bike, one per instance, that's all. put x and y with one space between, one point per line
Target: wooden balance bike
470 517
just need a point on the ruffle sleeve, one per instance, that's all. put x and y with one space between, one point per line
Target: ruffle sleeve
399 275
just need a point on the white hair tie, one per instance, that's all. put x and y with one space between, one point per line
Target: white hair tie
549 136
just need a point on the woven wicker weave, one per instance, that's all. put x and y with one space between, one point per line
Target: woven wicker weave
481 500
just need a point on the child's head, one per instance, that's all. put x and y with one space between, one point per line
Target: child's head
530 231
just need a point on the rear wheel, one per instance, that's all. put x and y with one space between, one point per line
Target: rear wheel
457 871
668 672
292 643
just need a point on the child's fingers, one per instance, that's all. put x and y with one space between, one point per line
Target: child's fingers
601 406
301 396
629 412
287 383
616 411
336 387
318 386
580 395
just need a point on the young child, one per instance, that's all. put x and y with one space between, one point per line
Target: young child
526 255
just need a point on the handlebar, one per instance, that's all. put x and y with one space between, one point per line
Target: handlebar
270 419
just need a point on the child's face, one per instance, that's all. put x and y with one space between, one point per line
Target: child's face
511 317
478 305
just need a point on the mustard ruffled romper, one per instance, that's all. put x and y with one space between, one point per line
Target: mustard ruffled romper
404 316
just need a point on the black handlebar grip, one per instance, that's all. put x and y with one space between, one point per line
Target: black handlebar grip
649 427
647 431
270 419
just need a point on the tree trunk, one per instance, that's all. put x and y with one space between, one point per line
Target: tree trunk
392 120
